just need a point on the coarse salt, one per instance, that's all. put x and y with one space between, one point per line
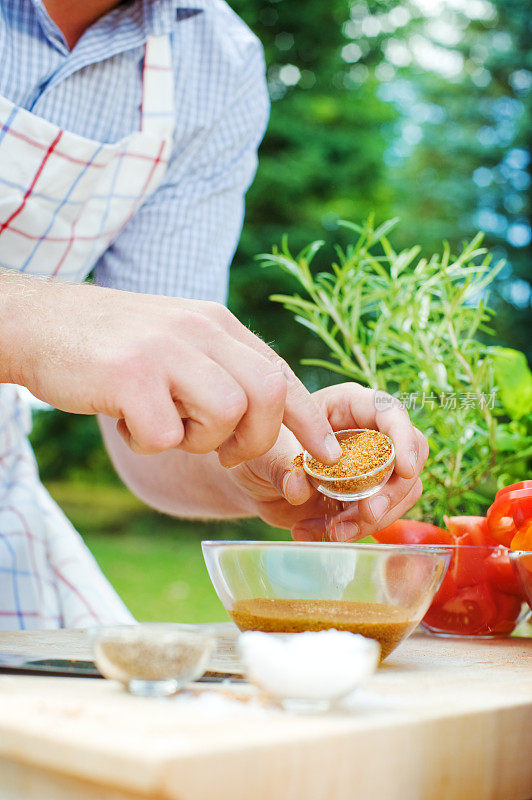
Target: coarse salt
316 666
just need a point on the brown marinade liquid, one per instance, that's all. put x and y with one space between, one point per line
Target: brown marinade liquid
386 623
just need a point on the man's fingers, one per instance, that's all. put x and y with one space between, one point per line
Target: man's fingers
422 450
302 415
411 448
348 525
325 530
275 469
397 511
394 512
210 400
295 488
265 388
373 509
151 424
306 420
354 406
348 405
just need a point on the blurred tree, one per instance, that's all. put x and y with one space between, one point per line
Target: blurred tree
323 154
460 161
70 446
422 109
509 62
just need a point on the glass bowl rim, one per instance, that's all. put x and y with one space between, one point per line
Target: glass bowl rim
330 479
457 545
205 631
377 547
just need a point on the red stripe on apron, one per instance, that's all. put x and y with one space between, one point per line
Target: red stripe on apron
19 210
76 592
73 236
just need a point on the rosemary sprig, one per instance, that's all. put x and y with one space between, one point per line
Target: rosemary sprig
411 326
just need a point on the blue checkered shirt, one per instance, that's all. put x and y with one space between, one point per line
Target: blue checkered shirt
182 240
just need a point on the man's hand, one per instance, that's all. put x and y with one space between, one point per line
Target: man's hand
174 373
283 497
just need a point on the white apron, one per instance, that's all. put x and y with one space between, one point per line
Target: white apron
63 200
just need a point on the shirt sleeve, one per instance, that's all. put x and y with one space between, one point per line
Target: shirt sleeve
181 241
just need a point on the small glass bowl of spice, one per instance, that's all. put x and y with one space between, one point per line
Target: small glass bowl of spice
366 464
153 659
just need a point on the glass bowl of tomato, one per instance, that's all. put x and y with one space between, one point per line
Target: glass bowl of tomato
522 564
482 593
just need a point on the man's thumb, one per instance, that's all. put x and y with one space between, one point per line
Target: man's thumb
295 487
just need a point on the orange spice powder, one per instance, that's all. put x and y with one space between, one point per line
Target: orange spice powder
362 452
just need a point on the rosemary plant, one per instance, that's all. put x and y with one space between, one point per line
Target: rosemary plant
416 328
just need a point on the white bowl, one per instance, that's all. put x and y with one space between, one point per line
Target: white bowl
308 672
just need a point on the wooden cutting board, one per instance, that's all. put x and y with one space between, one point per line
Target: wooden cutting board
76 644
442 719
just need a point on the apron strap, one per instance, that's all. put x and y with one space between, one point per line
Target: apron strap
157 110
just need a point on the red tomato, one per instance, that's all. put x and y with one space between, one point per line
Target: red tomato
509 513
522 562
468 564
480 594
476 527
447 590
408 531
523 538
508 609
514 487
501 574
472 610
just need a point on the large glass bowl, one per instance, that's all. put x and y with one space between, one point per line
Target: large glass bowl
481 595
380 591
522 564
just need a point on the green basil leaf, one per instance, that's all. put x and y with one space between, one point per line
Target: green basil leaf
514 380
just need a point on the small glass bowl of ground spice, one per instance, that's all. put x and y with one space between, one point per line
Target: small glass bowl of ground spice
153 659
366 464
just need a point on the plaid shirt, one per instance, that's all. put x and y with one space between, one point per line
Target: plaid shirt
182 239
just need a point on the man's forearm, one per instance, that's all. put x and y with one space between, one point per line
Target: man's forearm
176 482
173 482
17 296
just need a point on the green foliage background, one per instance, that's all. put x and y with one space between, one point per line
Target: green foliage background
418 109
386 132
